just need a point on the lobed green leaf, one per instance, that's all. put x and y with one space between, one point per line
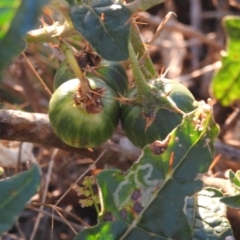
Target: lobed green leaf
235 179
15 192
19 17
151 200
233 201
226 82
7 12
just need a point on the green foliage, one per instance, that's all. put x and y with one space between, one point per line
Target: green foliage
16 22
14 194
233 201
160 196
114 75
150 200
8 10
63 74
235 179
87 191
105 26
16 18
226 83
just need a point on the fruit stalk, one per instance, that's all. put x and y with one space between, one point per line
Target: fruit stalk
74 66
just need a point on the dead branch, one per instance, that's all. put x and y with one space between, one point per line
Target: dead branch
185 30
36 128
189 77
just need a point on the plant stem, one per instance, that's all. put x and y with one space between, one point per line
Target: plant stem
94 202
142 5
142 86
51 33
139 47
74 66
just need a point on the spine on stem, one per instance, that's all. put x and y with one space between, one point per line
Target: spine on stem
141 84
143 55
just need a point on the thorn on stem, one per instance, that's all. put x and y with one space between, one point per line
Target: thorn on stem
159 147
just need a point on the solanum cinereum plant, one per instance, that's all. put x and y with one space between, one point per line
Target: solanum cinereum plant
153 103
160 196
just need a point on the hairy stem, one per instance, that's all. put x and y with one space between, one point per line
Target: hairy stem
51 33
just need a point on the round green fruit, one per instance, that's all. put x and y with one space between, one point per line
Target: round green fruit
78 127
63 74
134 124
114 75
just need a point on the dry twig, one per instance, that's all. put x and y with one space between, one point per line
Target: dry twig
36 128
185 30
44 195
33 127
